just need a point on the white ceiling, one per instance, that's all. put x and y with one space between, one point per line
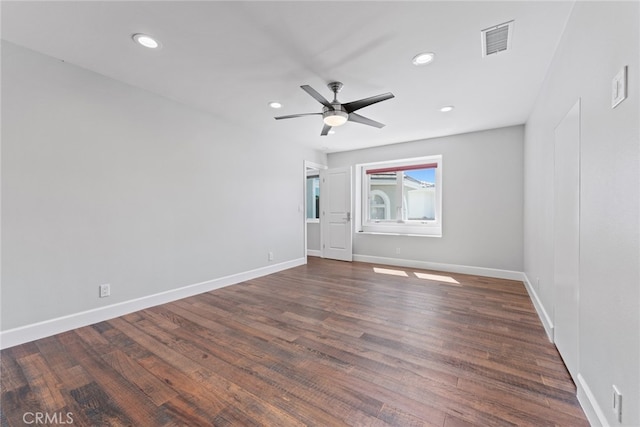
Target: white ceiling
232 58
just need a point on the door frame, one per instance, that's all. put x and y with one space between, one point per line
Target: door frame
307 165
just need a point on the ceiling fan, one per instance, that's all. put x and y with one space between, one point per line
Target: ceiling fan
336 114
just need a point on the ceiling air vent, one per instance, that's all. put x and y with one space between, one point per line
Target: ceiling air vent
497 38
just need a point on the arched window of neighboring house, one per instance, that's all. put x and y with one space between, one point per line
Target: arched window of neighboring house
380 207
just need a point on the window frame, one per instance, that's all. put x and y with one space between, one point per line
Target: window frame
421 227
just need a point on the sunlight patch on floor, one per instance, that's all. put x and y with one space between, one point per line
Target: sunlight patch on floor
437 278
390 271
425 276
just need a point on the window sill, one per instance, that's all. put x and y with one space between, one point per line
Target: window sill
386 233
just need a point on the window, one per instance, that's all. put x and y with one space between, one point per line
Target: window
402 197
313 197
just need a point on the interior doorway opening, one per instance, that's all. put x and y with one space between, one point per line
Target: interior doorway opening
312 200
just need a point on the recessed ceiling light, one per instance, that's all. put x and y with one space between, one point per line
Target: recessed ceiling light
146 41
423 58
447 108
275 104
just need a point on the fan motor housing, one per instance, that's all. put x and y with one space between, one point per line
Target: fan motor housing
335 106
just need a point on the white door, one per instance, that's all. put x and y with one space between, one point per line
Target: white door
335 221
567 237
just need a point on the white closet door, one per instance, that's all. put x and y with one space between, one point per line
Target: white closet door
567 238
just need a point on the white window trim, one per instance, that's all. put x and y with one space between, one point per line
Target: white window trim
432 228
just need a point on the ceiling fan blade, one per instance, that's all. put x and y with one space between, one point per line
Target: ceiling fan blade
321 99
325 130
291 116
350 107
353 117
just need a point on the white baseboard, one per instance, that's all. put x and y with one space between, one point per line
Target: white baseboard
589 404
23 334
547 323
312 252
451 268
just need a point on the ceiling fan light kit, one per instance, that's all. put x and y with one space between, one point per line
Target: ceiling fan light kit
335 117
337 114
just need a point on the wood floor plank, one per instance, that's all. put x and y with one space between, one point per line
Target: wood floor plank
258 375
42 381
202 370
16 402
12 376
122 397
329 343
96 405
63 364
157 390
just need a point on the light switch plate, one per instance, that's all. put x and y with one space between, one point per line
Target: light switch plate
617 403
619 87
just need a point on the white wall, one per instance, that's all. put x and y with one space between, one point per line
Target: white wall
482 201
599 39
106 183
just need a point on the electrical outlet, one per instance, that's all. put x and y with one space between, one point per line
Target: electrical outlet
397 251
617 403
270 256
105 290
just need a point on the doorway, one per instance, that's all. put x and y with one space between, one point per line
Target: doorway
328 229
312 198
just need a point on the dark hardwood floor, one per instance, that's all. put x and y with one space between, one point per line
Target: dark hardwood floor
326 344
